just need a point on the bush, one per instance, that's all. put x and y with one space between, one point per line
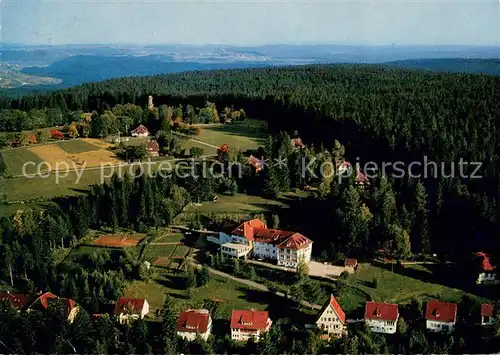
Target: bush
344 275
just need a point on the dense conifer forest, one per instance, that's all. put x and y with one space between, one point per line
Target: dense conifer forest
370 113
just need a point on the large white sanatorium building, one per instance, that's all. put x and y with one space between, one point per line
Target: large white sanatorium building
253 238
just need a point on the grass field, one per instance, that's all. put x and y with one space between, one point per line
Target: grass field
242 136
229 294
168 237
153 251
397 288
16 158
77 146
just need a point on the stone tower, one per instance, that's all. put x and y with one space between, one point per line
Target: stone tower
150 102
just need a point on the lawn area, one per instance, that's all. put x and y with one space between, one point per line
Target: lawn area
168 237
229 294
15 159
207 150
67 184
242 136
397 288
239 203
153 251
76 146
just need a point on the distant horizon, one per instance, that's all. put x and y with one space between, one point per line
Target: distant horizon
353 44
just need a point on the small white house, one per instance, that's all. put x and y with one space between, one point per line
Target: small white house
331 320
129 309
440 317
193 323
382 317
250 324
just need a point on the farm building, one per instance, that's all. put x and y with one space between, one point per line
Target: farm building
487 314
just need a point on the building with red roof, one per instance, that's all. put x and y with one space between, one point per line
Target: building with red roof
255 163
45 300
193 323
487 271
351 264
17 301
440 316
252 237
488 316
153 148
331 319
140 131
382 317
130 309
246 324
297 143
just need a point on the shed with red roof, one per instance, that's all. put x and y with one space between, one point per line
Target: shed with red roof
488 316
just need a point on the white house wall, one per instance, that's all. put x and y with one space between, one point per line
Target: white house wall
382 326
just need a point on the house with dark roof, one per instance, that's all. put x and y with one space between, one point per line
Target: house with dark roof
487 271
129 309
247 324
15 300
440 317
253 238
487 314
331 320
193 323
140 131
47 299
382 317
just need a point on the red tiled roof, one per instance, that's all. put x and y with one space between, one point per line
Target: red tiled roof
141 129
382 311
487 310
44 299
350 262
193 321
486 265
360 177
124 305
271 236
16 300
249 320
336 307
297 142
441 311
246 229
152 146
296 242
255 162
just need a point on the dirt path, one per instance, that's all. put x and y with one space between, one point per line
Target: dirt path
196 140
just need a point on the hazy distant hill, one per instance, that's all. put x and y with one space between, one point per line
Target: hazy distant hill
454 65
82 69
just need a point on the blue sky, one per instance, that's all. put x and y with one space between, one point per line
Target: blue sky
247 22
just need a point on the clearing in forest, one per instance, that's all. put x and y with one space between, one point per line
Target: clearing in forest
55 156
